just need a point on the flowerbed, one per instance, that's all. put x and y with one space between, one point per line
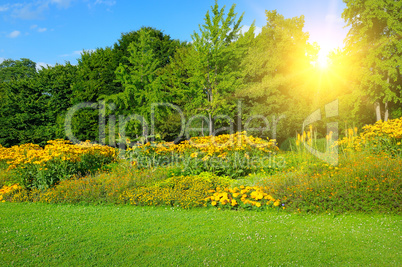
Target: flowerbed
233 155
35 167
379 137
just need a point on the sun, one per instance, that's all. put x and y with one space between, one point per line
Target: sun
322 61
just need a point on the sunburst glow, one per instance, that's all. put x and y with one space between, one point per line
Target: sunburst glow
322 60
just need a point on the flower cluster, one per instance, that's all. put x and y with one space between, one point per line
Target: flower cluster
34 154
228 154
212 145
385 135
7 189
181 191
244 196
360 182
35 167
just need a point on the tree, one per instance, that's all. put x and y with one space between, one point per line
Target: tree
21 102
213 57
162 45
140 75
95 79
33 107
375 36
17 69
57 84
23 113
96 75
275 72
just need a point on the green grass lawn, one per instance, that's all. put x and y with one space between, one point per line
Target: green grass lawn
45 234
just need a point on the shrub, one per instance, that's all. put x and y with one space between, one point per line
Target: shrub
377 138
364 183
232 155
183 191
104 187
36 167
246 197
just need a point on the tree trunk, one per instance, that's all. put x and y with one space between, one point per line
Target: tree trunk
211 124
377 110
386 113
386 103
145 132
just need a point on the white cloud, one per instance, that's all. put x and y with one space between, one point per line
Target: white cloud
14 34
39 65
30 11
78 53
61 3
34 9
4 8
35 27
108 3
2 59
245 29
75 53
105 2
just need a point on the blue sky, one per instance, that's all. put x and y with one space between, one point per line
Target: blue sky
55 31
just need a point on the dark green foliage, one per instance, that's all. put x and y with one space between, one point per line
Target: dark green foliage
17 69
162 45
95 80
31 106
140 73
24 117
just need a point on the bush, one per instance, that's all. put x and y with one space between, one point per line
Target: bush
181 191
245 197
377 138
364 183
36 167
233 155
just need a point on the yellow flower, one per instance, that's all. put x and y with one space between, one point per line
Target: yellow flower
214 203
234 202
205 158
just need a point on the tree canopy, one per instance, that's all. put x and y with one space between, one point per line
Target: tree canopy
375 37
147 84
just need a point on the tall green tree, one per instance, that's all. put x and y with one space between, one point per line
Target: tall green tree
162 45
57 84
275 73
214 55
17 69
96 75
375 36
22 105
95 79
140 74
24 113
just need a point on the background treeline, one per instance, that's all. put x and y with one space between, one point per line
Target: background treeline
269 75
